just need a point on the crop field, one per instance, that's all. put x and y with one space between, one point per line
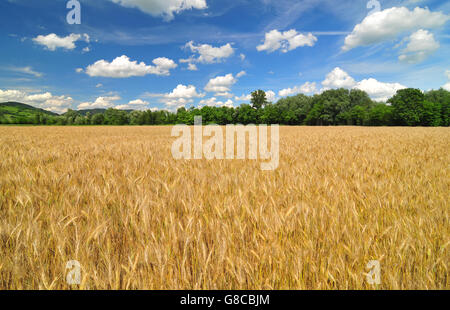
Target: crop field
115 200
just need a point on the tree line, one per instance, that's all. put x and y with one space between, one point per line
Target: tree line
408 107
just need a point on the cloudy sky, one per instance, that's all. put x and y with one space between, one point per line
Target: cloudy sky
164 54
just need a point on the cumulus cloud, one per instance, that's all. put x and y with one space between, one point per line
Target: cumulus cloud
286 41
137 104
123 67
241 74
224 94
100 103
11 95
47 101
377 90
208 54
212 102
192 67
270 96
221 84
179 96
338 78
447 85
182 91
53 41
243 98
388 24
164 8
421 45
307 88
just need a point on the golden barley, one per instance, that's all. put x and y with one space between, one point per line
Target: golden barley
114 199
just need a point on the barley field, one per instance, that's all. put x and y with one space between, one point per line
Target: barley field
114 199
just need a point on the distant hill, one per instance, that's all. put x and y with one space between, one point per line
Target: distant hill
12 112
20 113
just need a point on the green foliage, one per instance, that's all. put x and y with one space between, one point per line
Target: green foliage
19 113
409 107
380 115
431 114
259 99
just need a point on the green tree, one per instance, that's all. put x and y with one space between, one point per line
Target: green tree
98 119
431 114
245 114
259 99
380 115
271 115
408 106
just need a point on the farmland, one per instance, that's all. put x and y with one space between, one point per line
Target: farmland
114 199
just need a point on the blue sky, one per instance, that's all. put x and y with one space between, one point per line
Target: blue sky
164 54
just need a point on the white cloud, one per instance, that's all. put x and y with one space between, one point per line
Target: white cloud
286 41
241 74
421 45
307 88
379 91
39 97
100 103
270 96
338 78
242 56
164 8
26 70
221 84
182 91
208 54
224 94
122 67
389 23
47 101
123 107
53 41
192 67
212 102
99 85
447 85
11 95
179 97
79 70
137 104
243 98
